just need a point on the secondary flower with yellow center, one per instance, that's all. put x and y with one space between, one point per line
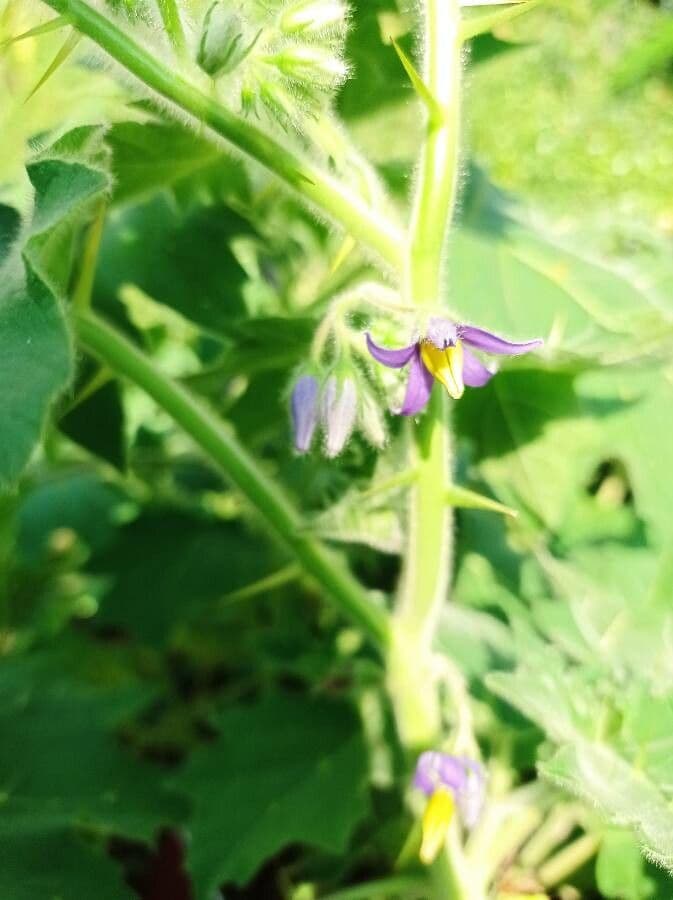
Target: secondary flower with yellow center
449 782
443 354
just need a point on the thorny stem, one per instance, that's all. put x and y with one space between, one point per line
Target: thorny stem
222 446
427 561
326 193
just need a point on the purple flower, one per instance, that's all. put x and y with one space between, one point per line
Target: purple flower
443 354
447 781
304 408
339 410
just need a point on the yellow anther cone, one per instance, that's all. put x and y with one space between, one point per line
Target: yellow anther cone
446 366
436 820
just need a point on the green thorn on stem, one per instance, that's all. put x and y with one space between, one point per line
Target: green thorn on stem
46 28
424 93
70 43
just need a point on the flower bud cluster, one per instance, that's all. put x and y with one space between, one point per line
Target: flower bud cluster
338 402
283 57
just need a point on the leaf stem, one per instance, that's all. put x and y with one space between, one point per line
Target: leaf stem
326 193
222 446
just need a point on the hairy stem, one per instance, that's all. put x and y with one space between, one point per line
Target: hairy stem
427 564
325 193
427 561
221 445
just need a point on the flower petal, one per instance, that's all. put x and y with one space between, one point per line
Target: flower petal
436 769
446 365
436 820
339 408
419 386
475 373
304 410
394 359
472 795
491 343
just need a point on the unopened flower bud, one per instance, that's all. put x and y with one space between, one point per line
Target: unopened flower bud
304 408
223 46
280 103
308 16
371 421
310 64
339 409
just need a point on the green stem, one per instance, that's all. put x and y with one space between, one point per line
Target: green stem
444 879
438 176
221 445
427 564
83 289
326 193
568 860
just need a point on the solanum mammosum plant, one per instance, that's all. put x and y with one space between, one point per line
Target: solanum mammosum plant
336 519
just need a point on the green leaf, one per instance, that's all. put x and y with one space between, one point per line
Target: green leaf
505 277
10 221
97 423
40 857
35 348
377 77
647 58
61 761
81 501
150 156
531 439
595 772
285 769
35 365
184 261
180 557
620 868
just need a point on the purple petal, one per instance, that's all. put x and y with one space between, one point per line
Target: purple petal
394 359
419 386
472 795
475 373
491 343
339 408
435 769
304 409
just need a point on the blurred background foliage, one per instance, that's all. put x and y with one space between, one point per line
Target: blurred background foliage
166 669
